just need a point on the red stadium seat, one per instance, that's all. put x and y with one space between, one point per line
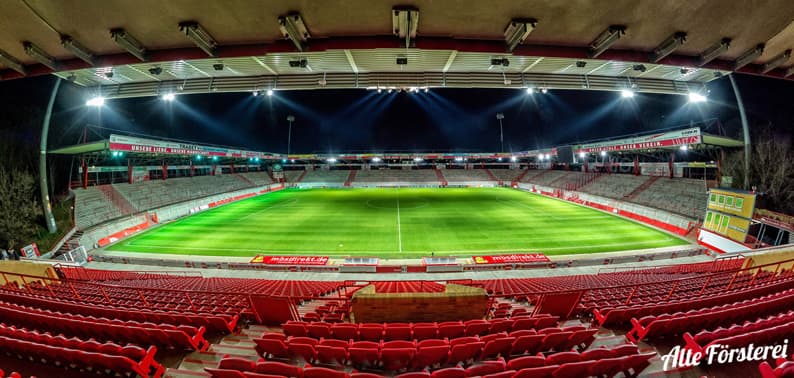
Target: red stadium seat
465 352
224 373
453 372
526 362
486 367
319 330
237 363
278 368
416 374
395 359
430 356
320 372
573 369
268 348
344 331
451 330
537 372
332 355
424 331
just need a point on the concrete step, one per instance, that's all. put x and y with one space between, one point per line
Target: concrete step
179 373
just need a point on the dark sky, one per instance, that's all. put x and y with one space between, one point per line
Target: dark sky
361 120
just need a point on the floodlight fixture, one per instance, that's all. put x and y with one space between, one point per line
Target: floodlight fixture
459 158
544 90
668 46
500 61
606 39
295 63
269 92
530 90
714 51
427 90
255 93
581 63
77 49
12 63
749 56
129 43
40 55
217 66
95 101
418 159
405 21
376 160
331 160
198 157
582 155
196 33
293 28
168 97
379 90
626 93
513 158
684 147
777 61
695 97
401 60
155 70
517 31
639 67
603 153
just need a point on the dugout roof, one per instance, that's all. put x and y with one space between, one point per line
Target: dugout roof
352 45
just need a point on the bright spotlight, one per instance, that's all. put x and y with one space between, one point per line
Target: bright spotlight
283 160
582 155
684 147
626 93
544 90
513 158
95 101
459 158
214 158
332 160
198 157
169 97
530 91
379 90
376 160
603 153
426 90
269 92
540 157
255 93
696 97
417 159
548 157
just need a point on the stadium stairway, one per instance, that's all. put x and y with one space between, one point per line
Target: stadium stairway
441 179
350 178
525 177
245 179
300 178
647 184
491 176
117 199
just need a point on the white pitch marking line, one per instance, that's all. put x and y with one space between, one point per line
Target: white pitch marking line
399 231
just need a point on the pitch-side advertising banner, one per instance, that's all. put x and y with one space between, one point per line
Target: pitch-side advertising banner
523 258
134 144
290 260
666 139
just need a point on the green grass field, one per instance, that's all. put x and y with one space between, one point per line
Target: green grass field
397 223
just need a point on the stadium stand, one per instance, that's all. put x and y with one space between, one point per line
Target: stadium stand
257 178
294 176
397 176
615 186
92 207
506 175
157 193
682 196
462 176
322 176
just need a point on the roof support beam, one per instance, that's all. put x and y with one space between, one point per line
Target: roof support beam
452 55
351 61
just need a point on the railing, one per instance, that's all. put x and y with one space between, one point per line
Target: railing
673 268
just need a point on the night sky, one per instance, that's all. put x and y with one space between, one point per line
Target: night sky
361 120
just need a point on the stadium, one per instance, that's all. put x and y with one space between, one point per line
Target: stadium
364 189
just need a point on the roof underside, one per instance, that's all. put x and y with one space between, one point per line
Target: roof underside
354 38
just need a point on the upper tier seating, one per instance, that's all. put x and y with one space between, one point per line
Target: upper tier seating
93 207
465 175
615 186
257 178
323 176
406 176
687 197
546 177
292 176
157 193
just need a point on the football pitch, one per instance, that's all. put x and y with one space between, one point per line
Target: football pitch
397 223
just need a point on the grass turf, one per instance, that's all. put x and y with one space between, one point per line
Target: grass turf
397 223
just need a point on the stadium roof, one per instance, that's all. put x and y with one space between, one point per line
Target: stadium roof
351 44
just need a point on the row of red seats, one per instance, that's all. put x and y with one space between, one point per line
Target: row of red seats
144 358
766 336
597 362
67 356
182 337
220 323
704 318
784 369
400 354
706 336
12 375
418 331
408 287
623 314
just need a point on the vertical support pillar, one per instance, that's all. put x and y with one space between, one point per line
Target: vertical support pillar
586 168
231 168
212 170
670 165
165 171
636 165
745 131
129 171
719 167
192 168
85 174
43 174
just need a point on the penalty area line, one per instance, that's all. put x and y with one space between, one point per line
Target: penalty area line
399 228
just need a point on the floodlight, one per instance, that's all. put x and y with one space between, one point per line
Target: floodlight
198 157
95 101
168 97
582 155
379 90
668 46
603 153
389 90
639 67
513 158
376 160
606 39
401 61
498 159
77 49
748 57
293 28
11 62
405 21
500 61
626 93
40 55
777 61
427 90
517 31
544 90
215 158
714 51
129 43
548 157
255 93
156 70
581 63
302 63
199 36
256 159
458 158
269 92
217 66
332 160
696 97
283 160
684 147
530 91
417 159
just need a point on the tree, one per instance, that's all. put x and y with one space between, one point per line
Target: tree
771 169
19 209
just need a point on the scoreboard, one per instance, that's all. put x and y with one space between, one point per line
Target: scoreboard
729 213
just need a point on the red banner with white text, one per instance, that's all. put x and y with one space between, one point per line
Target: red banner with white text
523 258
290 260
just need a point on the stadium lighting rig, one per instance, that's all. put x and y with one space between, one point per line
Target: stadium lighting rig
40 55
376 160
293 28
11 62
405 21
603 153
77 49
626 93
714 51
97 101
269 92
669 45
777 61
582 155
530 90
129 43
749 56
517 31
196 33
606 39
168 97
695 97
